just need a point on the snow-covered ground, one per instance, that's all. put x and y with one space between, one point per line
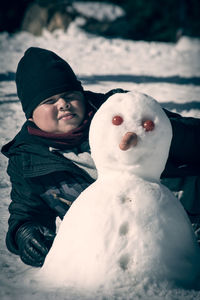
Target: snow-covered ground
168 72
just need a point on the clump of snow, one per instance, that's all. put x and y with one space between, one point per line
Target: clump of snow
101 11
187 43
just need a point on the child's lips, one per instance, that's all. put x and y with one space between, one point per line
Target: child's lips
67 116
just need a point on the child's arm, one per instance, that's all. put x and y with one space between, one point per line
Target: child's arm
97 99
31 222
184 158
185 145
36 202
182 172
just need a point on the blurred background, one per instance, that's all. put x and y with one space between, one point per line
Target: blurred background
150 20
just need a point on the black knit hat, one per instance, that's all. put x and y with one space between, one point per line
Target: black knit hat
41 74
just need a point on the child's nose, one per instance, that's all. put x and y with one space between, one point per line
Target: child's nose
62 104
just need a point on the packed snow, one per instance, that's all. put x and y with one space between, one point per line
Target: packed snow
116 230
168 72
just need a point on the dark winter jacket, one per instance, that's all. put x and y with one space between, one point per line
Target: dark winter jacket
45 183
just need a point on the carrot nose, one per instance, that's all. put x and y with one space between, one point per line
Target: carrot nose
129 140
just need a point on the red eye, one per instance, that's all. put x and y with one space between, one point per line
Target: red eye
117 120
148 125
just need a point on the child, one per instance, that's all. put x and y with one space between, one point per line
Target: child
49 159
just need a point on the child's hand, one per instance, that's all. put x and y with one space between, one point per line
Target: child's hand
34 242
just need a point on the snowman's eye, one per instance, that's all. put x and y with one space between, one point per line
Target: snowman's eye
148 125
117 120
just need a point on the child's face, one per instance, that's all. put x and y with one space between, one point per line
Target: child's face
60 113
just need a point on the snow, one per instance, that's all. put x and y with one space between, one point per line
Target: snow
168 72
100 11
140 159
116 230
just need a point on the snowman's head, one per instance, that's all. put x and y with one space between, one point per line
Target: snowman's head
131 133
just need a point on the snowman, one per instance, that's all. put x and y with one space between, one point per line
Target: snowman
126 227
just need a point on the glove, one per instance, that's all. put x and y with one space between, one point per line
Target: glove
34 242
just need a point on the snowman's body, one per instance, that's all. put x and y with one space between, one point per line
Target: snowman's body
126 226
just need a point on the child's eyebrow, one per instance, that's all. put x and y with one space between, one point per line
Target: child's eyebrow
50 98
